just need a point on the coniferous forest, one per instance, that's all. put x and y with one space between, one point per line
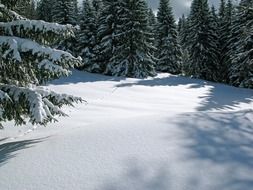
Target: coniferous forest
126 95
125 38
41 41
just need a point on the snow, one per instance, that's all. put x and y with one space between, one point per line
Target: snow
162 133
17 46
37 26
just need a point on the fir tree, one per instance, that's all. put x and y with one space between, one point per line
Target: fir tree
241 47
98 5
202 43
64 12
132 56
222 9
225 24
87 36
152 25
182 38
168 50
26 61
108 23
26 9
45 10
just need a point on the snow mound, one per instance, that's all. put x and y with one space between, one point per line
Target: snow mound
162 133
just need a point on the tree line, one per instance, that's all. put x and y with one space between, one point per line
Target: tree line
125 38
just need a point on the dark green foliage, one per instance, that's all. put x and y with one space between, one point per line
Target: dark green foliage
202 43
241 47
64 12
45 10
168 50
87 36
132 55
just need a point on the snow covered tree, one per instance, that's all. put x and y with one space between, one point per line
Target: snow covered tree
152 25
202 43
241 46
26 9
98 6
224 29
132 56
26 61
45 10
168 49
108 22
87 36
65 12
182 38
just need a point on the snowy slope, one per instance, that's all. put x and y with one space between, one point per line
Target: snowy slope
163 133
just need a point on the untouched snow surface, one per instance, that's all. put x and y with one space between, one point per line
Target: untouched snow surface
163 133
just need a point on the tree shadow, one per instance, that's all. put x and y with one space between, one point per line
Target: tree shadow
216 97
223 97
171 80
223 139
8 150
139 177
84 77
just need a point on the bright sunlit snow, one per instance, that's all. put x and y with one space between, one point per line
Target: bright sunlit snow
163 133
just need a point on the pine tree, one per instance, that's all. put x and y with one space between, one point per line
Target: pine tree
241 47
222 9
98 5
87 36
168 50
152 26
26 9
26 61
45 10
108 22
64 12
225 24
202 43
182 38
132 56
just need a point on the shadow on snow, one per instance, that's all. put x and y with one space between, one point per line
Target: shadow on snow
84 77
8 150
217 97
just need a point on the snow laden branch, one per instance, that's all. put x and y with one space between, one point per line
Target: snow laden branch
7 15
42 63
40 104
38 30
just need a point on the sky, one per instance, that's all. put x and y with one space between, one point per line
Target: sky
180 6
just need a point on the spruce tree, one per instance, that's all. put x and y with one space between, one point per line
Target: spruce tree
26 61
108 22
241 47
202 43
182 38
87 36
168 50
225 24
45 10
98 6
132 56
152 26
64 12
26 9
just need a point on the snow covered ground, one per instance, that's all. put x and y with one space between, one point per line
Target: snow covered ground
163 133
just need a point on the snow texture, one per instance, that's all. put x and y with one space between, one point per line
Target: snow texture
162 133
37 26
40 107
17 46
